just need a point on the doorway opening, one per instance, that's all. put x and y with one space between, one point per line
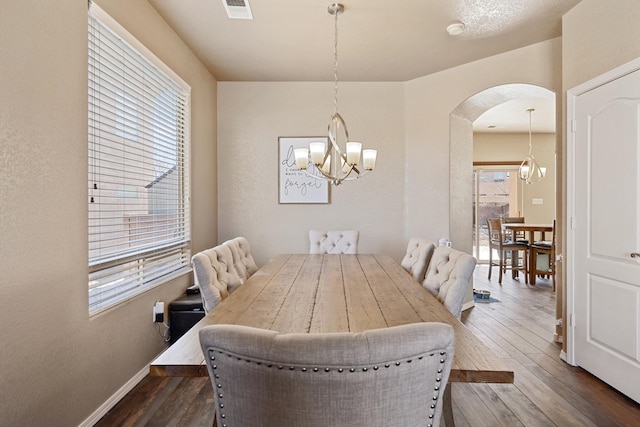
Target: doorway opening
492 126
466 138
496 193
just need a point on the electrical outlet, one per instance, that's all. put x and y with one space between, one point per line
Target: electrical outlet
158 312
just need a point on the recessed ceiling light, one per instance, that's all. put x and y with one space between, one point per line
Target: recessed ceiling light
456 28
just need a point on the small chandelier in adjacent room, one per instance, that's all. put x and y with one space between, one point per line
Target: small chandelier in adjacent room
334 163
529 170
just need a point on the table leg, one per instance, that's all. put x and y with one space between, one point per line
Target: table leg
447 409
514 258
532 271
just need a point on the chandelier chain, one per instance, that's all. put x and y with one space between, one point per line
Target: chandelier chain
530 110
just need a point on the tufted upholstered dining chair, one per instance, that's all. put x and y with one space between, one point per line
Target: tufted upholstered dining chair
449 277
214 274
417 257
243 261
382 377
333 242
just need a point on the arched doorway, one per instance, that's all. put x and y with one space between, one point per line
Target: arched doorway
462 119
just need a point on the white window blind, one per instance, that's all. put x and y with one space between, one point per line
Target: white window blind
139 221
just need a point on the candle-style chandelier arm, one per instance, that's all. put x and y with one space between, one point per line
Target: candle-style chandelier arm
334 180
351 157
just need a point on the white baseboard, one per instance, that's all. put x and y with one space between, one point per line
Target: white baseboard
563 356
113 400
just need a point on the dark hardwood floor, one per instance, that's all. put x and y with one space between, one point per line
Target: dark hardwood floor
519 328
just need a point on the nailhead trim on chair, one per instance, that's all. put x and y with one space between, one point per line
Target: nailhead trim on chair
443 358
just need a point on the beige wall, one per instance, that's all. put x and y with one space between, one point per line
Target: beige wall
515 147
598 36
251 117
429 102
57 365
407 195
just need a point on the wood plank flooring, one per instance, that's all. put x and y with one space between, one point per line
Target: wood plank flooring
519 329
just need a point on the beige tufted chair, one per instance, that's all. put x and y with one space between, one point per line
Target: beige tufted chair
243 261
333 242
225 257
449 277
416 260
211 270
382 377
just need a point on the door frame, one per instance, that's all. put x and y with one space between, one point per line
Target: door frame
572 95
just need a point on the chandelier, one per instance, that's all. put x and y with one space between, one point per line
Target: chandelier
529 170
334 163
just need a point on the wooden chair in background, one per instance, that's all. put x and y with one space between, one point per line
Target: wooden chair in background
545 265
518 236
499 243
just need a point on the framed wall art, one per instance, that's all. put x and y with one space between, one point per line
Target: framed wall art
295 185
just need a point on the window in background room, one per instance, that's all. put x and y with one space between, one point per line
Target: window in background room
139 220
495 194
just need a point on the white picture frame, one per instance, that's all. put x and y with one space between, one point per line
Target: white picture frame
295 185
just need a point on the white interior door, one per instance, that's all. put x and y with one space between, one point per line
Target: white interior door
603 272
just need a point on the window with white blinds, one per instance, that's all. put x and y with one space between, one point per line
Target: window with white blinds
139 220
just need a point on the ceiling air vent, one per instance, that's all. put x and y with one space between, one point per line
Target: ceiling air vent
237 9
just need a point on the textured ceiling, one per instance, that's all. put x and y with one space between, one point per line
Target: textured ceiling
292 40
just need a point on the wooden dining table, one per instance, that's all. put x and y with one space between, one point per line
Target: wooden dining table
532 229
335 293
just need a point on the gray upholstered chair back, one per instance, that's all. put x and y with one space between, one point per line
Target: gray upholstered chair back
416 260
211 273
243 261
449 277
333 242
383 377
